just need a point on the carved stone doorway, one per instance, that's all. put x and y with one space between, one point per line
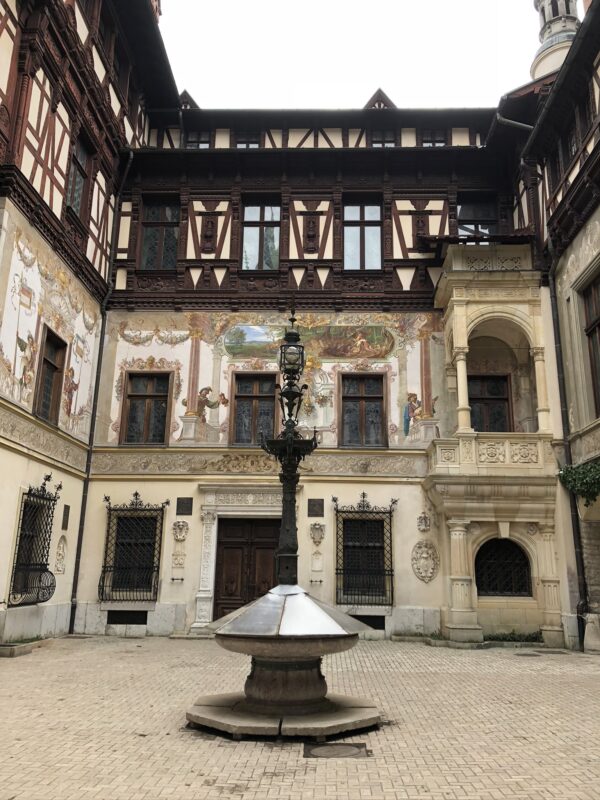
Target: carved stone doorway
245 566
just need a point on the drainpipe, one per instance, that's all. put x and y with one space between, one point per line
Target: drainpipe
88 463
582 604
512 123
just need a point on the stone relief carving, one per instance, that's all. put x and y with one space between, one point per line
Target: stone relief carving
180 533
61 556
533 528
466 451
249 463
425 561
449 456
492 453
424 522
317 533
524 453
27 433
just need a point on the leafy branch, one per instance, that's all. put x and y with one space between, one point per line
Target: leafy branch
583 480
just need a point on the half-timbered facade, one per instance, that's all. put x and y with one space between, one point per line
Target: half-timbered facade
151 252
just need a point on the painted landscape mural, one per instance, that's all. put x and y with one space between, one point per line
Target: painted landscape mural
203 351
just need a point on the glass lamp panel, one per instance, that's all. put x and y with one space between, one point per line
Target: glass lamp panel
351 248
351 422
135 421
373 248
157 422
243 422
250 248
373 422
271 248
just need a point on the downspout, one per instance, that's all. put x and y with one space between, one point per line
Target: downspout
513 123
582 604
88 463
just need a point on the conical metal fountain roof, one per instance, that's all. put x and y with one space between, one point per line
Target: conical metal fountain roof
287 611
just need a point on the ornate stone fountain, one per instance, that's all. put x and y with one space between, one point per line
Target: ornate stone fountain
286 632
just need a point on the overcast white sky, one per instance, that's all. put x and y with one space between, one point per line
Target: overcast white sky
336 53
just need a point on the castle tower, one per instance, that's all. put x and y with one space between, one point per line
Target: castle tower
558 25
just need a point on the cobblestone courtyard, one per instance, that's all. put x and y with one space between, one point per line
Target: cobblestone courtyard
105 718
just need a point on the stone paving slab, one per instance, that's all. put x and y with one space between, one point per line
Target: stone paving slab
104 718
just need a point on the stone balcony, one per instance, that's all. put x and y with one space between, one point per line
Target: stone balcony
493 476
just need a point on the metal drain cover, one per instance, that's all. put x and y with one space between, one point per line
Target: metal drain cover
528 655
335 750
552 652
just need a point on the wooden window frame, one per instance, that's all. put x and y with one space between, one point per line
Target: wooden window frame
85 173
202 143
58 380
161 224
430 141
248 140
477 222
592 333
378 138
361 398
510 415
149 396
234 395
261 224
362 223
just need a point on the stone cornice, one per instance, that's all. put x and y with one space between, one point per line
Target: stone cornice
23 433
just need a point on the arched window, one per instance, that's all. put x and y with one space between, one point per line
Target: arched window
555 8
502 568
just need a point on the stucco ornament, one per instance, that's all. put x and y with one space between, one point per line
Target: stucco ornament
61 556
317 533
423 522
180 530
425 561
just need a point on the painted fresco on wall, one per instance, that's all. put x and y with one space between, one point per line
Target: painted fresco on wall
212 347
40 292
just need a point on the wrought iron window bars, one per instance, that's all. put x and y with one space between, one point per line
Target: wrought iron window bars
364 566
31 581
131 567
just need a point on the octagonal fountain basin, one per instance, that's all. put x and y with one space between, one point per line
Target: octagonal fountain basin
286 632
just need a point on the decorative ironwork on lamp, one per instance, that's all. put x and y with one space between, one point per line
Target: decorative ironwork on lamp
289 448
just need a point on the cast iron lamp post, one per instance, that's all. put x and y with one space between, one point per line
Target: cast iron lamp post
286 631
289 448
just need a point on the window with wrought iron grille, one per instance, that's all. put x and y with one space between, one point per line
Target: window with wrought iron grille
131 566
502 568
364 567
160 234
31 581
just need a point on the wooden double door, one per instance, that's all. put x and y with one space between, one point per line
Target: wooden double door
245 566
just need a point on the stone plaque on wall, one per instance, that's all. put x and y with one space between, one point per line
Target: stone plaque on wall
316 508
185 506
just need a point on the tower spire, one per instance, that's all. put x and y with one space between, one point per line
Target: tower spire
558 25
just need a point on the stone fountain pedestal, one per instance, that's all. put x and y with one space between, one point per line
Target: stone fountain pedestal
286 632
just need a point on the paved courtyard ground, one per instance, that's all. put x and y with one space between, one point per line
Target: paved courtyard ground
105 718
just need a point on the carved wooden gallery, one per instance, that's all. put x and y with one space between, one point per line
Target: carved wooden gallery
444 265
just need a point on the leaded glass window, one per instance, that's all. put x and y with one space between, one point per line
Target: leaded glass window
52 368
489 398
502 568
160 234
254 412
146 408
362 236
78 176
260 247
363 419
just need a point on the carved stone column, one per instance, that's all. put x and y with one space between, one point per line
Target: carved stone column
462 625
205 593
543 409
462 386
552 630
